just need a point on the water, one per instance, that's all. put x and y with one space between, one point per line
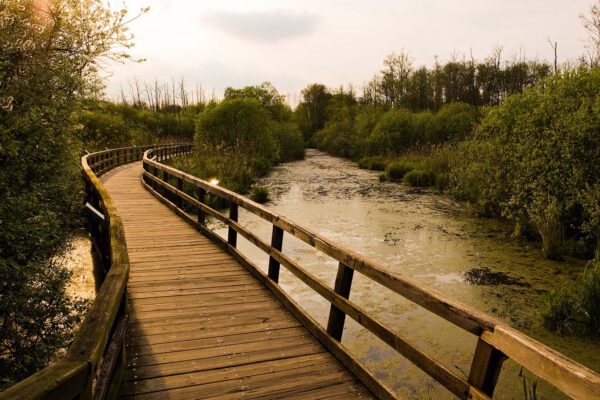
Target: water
428 237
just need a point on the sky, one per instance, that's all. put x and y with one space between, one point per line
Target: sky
217 44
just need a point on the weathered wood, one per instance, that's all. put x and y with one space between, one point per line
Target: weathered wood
231 233
485 368
276 243
342 285
572 378
109 361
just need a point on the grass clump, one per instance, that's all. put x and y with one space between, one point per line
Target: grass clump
382 177
420 178
396 170
260 194
372 163
576 311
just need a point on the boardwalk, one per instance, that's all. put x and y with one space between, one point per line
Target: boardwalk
201 326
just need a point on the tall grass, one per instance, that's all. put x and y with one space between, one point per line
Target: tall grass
578 310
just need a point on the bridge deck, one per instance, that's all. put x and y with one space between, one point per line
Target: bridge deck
201 326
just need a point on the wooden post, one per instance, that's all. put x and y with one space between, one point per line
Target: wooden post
276 243
232 233
179 187
486 366
201 216
343 283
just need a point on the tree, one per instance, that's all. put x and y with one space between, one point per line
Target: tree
592 25
49 55
312 111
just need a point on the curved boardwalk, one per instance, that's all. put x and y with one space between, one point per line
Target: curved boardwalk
201 326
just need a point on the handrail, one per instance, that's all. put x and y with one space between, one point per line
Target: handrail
93 365
496 341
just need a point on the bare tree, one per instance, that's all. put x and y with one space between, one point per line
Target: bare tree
592 25
555 49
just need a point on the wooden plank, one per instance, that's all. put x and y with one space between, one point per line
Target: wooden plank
188 380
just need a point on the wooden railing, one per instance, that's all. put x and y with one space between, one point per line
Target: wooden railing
94 364
496 341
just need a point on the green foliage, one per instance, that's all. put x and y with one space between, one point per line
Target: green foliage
260 194
393 134
576 311
396 170
560 311
419 178
48 65
311 113
244 136
588 288
540 150
372 163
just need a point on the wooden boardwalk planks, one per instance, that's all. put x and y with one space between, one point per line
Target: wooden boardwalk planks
201 326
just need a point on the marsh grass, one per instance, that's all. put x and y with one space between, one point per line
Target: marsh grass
260 194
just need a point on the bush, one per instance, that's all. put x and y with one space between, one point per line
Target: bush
420 178
382 177
260 194
538 147
396 170
393 134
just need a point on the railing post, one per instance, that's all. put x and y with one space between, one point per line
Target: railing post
232 233
201 216
277 244
486 366
343 283
179 187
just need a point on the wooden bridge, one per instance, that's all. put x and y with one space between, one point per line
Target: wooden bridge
183 314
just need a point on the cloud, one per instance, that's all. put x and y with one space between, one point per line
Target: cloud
264 25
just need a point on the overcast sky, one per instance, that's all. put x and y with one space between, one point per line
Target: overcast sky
293 43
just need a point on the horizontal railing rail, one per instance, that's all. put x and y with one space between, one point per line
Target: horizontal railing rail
496 341
94 363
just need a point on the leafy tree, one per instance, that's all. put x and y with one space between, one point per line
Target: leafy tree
49 54
311 113
286 132
540 154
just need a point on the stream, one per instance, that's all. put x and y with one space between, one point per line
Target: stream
430 238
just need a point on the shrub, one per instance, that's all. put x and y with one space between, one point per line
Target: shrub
396 170
382 177
377 164
260 194
420 178
551 230
393 134
363 163
560 311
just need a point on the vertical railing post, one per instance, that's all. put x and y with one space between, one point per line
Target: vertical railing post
232 233
486 366
277 244
342 285
201 198
178 197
